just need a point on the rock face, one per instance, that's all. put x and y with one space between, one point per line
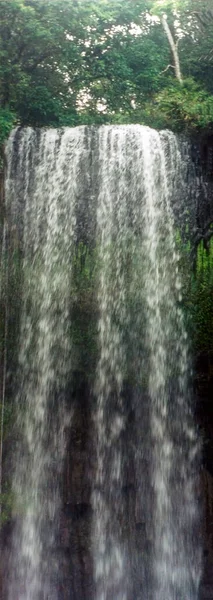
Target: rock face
76 513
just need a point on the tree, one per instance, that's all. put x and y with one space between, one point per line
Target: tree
165 8
41 60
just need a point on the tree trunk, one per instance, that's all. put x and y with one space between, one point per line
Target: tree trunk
173 47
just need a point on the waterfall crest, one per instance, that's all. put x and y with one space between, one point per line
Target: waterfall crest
112 190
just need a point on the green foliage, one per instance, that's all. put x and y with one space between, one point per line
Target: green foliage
7 120
84 308
73 62
183 107
38 59
202 300
6 503
165 6
198 306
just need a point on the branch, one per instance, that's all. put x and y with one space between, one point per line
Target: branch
166 69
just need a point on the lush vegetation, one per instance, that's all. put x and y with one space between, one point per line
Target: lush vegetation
199 305
67 62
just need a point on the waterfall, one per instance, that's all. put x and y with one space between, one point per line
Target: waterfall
47 185
110 190
172 432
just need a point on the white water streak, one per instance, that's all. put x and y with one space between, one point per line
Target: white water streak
140 172
110 564
48 185
172 431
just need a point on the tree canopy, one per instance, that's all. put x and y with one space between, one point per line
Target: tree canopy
67 62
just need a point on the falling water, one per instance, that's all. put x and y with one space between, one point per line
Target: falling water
110 565
172 434
140 170
45 181
145 441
